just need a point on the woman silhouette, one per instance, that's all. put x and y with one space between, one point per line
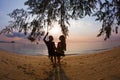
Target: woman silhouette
61 47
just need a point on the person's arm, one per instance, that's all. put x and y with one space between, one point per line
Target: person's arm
45 37
54 47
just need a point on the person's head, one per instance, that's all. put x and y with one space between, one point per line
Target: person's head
62 38
50 38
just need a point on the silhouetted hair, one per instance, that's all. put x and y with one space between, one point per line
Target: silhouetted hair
62 38
50 38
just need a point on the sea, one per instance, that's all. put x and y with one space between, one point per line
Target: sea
73 48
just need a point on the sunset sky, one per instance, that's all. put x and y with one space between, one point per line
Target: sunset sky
80 30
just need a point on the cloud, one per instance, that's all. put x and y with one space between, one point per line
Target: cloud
16 34
17 37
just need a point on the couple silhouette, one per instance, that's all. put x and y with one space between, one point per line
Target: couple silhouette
55 53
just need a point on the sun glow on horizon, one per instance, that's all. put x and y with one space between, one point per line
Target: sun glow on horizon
55 31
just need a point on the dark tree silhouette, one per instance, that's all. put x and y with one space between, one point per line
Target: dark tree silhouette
42 13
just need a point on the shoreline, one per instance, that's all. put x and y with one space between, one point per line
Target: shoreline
95 66
71 54
38 50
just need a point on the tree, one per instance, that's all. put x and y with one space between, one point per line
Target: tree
45 12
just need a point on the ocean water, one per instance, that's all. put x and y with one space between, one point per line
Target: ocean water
91 47
72 48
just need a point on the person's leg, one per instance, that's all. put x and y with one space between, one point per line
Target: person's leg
58 59
55 59
51 59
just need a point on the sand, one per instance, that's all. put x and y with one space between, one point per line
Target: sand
95 66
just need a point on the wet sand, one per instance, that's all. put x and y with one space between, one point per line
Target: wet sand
95 66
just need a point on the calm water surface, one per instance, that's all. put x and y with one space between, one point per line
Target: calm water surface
72 48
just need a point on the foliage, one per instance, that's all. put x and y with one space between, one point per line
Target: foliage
45 12
109 15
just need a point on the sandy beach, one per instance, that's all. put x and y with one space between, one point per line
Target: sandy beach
96 66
